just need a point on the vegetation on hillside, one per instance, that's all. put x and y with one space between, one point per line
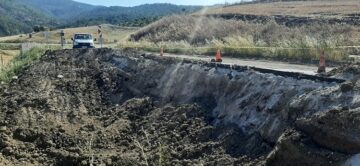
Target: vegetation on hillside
188 34
17 18
60 9
21 61
201 31
21 16
131 16
316 8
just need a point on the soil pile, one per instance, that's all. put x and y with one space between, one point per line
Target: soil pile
122 107
73 108
349 72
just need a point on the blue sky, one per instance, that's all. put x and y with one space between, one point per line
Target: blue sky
139 2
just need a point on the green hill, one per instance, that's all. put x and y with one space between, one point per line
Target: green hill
17 18
137 16
61 9
20 16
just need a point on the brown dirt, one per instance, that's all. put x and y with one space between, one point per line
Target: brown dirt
103 107
7 55
47 119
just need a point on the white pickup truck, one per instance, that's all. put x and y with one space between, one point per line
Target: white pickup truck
83 40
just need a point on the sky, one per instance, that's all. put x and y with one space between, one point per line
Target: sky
139 2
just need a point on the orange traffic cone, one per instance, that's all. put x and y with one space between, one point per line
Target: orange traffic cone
322 67
161 51
217 57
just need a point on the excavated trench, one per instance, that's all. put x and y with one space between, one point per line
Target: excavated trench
123 107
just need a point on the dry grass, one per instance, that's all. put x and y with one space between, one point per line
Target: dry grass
203 35
7 55
110 33
297 8
203 31
19 62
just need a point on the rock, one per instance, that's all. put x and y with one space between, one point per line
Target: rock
26 135
35 155
336 130
108 162
296 149
61 129
84 162
60 76
3 129
8 151
346 87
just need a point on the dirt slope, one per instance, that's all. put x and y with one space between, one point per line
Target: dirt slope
122 107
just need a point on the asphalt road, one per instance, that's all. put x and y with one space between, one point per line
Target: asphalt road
274 65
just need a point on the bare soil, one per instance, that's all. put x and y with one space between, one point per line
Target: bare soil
76 120
117 107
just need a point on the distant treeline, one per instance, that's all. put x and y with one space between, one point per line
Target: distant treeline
25 16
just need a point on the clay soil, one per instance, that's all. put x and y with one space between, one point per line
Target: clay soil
122 107
62 111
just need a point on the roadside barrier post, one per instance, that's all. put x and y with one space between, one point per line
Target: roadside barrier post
2 61
100 36
322 67
62 34
161 51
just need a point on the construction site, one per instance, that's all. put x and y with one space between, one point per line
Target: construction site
128 107
246 83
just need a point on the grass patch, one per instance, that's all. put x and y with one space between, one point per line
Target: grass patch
9 46
7 55
111 33
312 8
201 31
21 61
270 40
305 55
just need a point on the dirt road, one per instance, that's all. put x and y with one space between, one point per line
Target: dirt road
281 66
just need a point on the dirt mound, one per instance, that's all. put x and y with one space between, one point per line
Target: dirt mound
336 130
325 139
73 108
122 107
296 148
349 72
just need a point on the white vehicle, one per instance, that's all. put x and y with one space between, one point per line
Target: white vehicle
83 40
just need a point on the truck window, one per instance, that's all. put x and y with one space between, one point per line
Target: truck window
83 36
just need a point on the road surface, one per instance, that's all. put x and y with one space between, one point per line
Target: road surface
274 65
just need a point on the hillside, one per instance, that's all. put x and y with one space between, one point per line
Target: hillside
61 9
17 18
20 16
121 15
293 8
